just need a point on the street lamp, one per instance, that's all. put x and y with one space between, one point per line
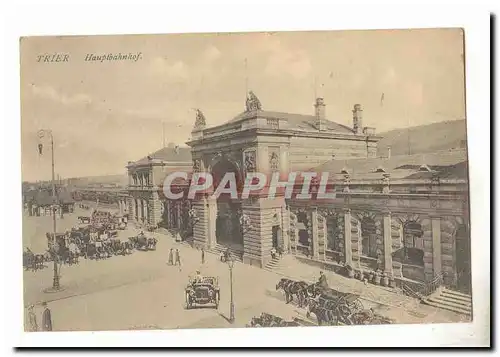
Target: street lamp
41 134
230 263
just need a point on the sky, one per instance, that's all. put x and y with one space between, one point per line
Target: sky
103 115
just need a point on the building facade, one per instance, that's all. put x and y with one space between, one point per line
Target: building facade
146 203
404 215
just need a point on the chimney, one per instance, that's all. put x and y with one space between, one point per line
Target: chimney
357 119
320 113
388 152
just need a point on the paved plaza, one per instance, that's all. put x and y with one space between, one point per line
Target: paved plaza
141 291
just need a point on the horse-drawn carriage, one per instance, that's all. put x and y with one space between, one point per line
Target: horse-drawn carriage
142 242
336 308
268 320
33 261
203 292
120 221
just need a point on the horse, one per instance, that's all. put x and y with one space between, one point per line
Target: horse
152 243
322 313
313 290
291 288
28 258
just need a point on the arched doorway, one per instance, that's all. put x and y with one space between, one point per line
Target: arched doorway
463 260
413 251
228 230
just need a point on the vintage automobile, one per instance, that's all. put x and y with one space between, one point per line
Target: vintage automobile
203 292
84 219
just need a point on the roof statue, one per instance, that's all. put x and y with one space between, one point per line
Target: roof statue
253 103
200 121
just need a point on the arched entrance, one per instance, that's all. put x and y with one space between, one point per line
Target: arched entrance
228 229
413 251
463 260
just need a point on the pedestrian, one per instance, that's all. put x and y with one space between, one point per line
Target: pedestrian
178 258
46 318
202 255
32 319
171 257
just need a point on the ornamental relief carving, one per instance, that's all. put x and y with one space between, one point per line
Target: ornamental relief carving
250 160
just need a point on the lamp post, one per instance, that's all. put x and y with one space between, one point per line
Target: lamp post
230 263
41 134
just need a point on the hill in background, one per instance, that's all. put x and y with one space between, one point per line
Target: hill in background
118 180
424 139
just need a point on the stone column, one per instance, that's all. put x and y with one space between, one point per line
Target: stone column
131 210
397 244
179 213
428 248
211 205
347 237
155 209
285 220
387 244
436 245
146 211
315 244
167 213
140 210
201 227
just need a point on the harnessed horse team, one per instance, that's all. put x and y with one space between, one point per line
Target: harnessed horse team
330 307
80 242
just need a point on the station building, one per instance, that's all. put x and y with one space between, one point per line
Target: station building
404 215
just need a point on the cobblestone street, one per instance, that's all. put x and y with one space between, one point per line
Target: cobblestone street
141 291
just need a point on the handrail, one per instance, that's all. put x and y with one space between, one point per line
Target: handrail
429 287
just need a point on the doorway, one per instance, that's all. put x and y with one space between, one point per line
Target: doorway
277 243
463 260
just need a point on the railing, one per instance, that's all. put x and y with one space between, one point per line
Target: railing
434 284
429 287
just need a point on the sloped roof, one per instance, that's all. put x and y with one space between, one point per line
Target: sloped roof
168 154
449 164
295 121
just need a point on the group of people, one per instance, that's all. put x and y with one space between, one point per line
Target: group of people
46 319
176 255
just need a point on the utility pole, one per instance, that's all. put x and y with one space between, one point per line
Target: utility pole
55 280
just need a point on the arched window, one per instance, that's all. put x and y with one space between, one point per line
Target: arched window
413 244
369 237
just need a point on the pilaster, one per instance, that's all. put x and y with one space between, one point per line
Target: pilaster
347 237
315 234
388 269
436 244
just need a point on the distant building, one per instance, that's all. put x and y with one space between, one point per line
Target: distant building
145 202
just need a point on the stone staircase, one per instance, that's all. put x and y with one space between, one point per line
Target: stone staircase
236 252
280 264
450 300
